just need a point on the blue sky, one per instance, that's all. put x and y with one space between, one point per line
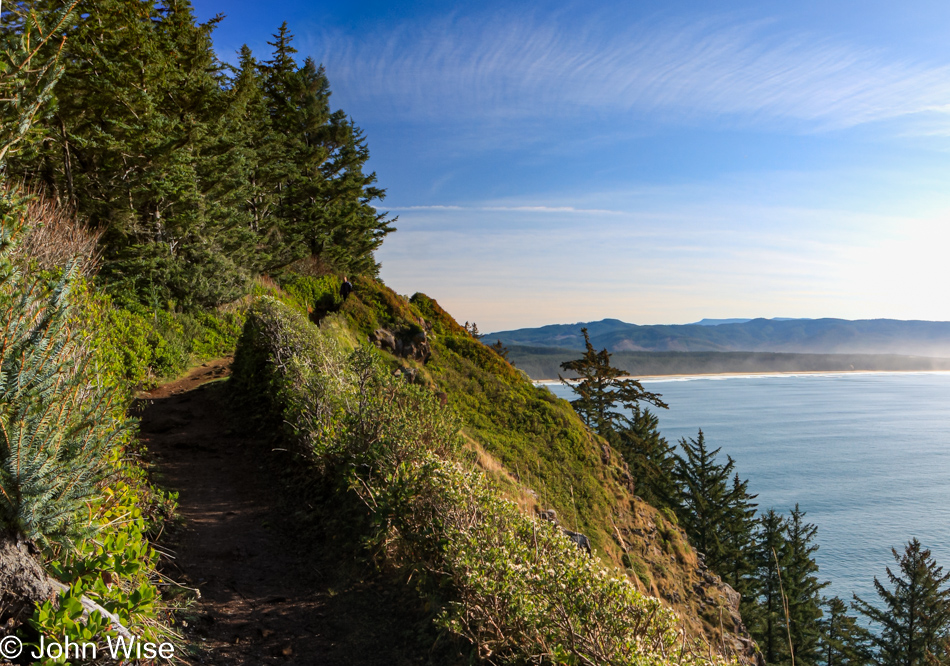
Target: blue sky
556 162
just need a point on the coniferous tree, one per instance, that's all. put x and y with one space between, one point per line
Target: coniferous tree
767 623
601 387
499 349
30 67
323 195
199 175
802 588
128 140
253 144
738 568
913 625
704 496
650 458
843 642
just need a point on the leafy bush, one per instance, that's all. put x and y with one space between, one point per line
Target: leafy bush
517 587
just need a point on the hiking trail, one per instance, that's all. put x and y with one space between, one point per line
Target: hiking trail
270 592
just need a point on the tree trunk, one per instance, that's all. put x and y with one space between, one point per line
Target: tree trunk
24 583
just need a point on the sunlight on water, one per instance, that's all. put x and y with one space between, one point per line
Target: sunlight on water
867 456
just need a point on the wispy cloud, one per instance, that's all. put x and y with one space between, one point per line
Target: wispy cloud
712 260
523 66
514 209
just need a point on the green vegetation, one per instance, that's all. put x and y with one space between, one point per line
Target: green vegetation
914 622
68 480
601 388
515 586
57 425
69 483
843 640
196 183
769 562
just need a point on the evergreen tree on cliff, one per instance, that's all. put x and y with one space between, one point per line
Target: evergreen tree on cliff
913 624
601 388
766 622
802 588
843 641
738 568
704 498
649 456
317 172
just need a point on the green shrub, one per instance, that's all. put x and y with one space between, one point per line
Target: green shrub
442 322
316 293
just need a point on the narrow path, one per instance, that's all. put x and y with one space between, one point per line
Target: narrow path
269 594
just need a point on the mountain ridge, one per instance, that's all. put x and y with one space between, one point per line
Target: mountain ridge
810 336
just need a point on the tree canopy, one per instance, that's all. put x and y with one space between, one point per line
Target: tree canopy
200 175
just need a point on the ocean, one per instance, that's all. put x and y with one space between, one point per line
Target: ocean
866 456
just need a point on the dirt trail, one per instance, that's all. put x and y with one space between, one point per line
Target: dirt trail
268 595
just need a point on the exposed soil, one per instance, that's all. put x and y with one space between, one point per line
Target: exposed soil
275 588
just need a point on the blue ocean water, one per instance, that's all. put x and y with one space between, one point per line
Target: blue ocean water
867 456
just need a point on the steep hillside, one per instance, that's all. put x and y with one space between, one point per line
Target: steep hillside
812 336
538 453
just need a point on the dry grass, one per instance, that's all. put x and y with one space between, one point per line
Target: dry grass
55 236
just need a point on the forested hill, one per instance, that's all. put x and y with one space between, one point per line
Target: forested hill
808 336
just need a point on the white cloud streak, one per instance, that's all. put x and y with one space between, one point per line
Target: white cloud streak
804 263
518 66
514 209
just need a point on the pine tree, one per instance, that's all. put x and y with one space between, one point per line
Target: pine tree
499 349
802 588
913 626
767 622
601 387
649 457
843 641
738 567
200 176
30 67
704 496
131 143
324 198
249 127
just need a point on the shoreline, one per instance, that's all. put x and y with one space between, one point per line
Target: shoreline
738 375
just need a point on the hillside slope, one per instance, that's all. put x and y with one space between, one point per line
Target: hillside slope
539 454
812 336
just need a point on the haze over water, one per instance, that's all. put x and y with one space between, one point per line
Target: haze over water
867 456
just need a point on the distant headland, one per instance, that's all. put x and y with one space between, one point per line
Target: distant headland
716 346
